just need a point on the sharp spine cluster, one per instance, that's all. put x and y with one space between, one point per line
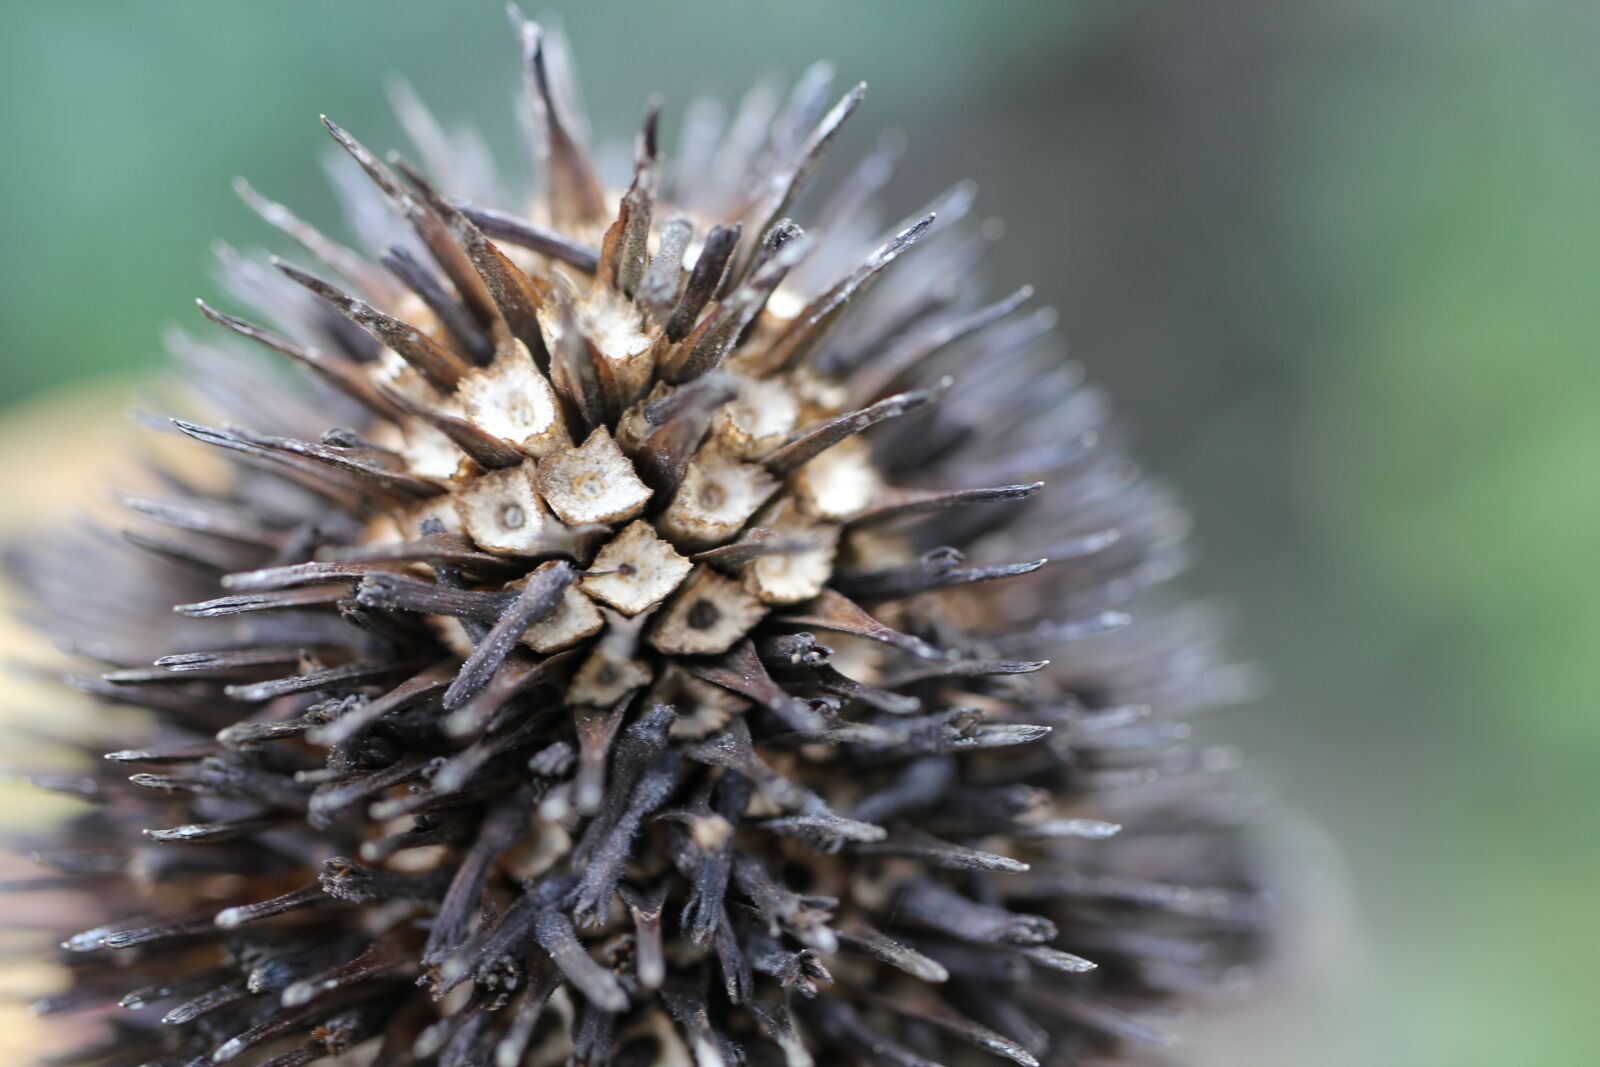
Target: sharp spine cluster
630 646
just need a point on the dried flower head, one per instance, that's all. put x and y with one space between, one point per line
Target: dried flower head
653 633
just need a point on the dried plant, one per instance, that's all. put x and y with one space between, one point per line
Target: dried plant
653 633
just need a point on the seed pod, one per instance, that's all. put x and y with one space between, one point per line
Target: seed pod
720 642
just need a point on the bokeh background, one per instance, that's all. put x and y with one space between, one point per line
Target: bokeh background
1338 262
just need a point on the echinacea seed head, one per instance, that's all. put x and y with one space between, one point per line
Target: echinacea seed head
722 640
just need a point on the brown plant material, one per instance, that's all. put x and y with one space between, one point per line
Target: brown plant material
621 651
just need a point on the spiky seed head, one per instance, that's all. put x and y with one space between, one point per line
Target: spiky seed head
654 633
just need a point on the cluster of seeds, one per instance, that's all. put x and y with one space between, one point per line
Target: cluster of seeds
655 633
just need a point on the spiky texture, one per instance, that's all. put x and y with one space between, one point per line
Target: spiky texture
634 642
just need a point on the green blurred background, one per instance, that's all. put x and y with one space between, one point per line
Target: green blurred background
1337 261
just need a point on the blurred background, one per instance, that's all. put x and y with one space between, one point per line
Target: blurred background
1336 261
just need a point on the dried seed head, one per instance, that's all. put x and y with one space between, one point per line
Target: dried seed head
668 635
